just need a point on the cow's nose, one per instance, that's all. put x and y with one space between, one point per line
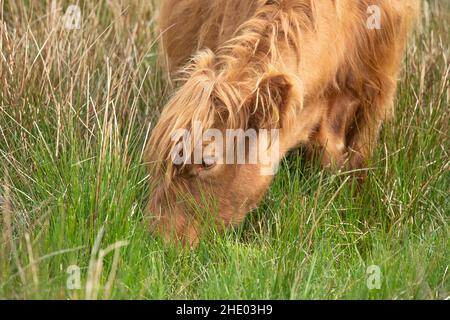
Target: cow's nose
170 221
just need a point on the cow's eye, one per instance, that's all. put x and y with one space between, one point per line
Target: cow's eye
208 163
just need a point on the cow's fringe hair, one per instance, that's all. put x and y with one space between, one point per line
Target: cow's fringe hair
231 88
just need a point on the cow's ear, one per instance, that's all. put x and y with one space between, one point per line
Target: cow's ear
273 99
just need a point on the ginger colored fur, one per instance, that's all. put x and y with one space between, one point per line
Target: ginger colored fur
311 68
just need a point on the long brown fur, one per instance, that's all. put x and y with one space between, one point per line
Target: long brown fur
311 68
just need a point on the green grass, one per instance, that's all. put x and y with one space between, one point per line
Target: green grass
75 111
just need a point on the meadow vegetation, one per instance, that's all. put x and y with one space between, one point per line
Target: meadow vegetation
76 108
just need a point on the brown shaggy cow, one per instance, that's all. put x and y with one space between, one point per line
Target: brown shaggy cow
322 72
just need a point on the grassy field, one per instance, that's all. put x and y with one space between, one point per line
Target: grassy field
76 107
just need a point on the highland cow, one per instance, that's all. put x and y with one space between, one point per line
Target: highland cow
321 72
